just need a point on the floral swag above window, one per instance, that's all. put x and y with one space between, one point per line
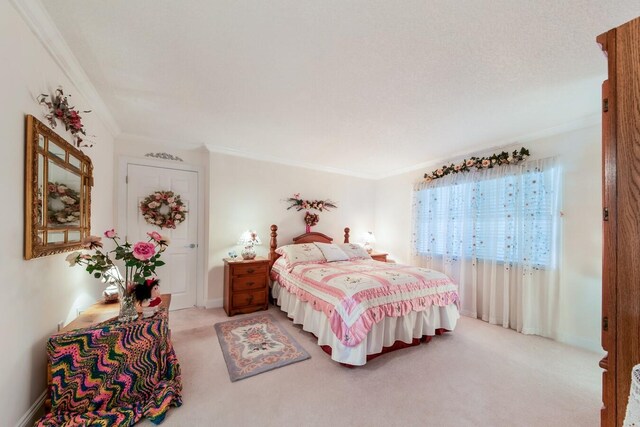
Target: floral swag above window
496 159
164 209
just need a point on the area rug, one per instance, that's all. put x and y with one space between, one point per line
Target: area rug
256 344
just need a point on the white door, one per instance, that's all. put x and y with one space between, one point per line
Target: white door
178 276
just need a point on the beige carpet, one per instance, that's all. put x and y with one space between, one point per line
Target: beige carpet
480 375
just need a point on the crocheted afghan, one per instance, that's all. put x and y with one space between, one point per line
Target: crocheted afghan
113 374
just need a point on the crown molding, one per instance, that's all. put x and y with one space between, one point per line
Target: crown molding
286 162
188 145
580 123
41 24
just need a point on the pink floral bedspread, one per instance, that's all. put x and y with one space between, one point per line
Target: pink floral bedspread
355 295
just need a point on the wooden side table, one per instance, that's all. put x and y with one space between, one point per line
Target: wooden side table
100 312
378 256
246 285
97 313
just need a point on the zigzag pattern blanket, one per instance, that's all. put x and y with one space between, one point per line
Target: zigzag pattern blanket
113 374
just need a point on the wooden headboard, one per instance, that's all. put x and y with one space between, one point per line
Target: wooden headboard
303 238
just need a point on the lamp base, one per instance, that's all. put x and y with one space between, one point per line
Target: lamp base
248 253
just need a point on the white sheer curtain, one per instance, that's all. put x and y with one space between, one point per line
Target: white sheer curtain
496 232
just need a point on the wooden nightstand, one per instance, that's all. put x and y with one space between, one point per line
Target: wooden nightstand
379 256
246 285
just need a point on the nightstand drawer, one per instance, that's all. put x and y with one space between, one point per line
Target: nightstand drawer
249 282
242 270
248 298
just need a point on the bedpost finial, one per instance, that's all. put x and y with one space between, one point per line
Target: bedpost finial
346 234
273 244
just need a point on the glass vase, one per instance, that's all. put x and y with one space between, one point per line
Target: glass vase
308 229
128 310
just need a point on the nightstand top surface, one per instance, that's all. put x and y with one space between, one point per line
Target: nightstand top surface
245 261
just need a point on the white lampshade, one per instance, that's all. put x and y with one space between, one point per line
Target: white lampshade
249 238
368 237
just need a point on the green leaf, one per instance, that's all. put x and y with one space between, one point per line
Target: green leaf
159 263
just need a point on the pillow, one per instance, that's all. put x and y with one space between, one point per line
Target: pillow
305 253
354 251
332 252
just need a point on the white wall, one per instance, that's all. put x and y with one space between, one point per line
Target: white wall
248 194
40 293
581 263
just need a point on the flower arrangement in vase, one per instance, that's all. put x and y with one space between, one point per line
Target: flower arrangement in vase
140 262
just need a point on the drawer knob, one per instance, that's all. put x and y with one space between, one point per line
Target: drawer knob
250 299
251 283
251 270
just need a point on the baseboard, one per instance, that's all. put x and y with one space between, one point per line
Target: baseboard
34 412
571 340
580 342
469 313
213 303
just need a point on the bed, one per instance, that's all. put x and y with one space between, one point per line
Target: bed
358 308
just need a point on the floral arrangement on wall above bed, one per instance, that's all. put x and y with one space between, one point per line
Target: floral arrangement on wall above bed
478 163
310 219
300 204
59 109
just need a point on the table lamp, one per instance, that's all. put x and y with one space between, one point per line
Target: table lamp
368 238
111 276
249 239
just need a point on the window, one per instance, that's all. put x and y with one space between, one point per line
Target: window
506 214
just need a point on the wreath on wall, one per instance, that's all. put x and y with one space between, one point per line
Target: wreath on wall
164 209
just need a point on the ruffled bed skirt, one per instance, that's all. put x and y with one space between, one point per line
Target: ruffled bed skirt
415 324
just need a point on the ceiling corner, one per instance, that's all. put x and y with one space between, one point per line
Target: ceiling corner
39 21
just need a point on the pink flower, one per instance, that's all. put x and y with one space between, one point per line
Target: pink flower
110 234
470 163
157 237
143 250
486 162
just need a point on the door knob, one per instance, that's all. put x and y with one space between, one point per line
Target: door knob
191 246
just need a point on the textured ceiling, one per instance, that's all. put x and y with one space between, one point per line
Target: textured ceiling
369 87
